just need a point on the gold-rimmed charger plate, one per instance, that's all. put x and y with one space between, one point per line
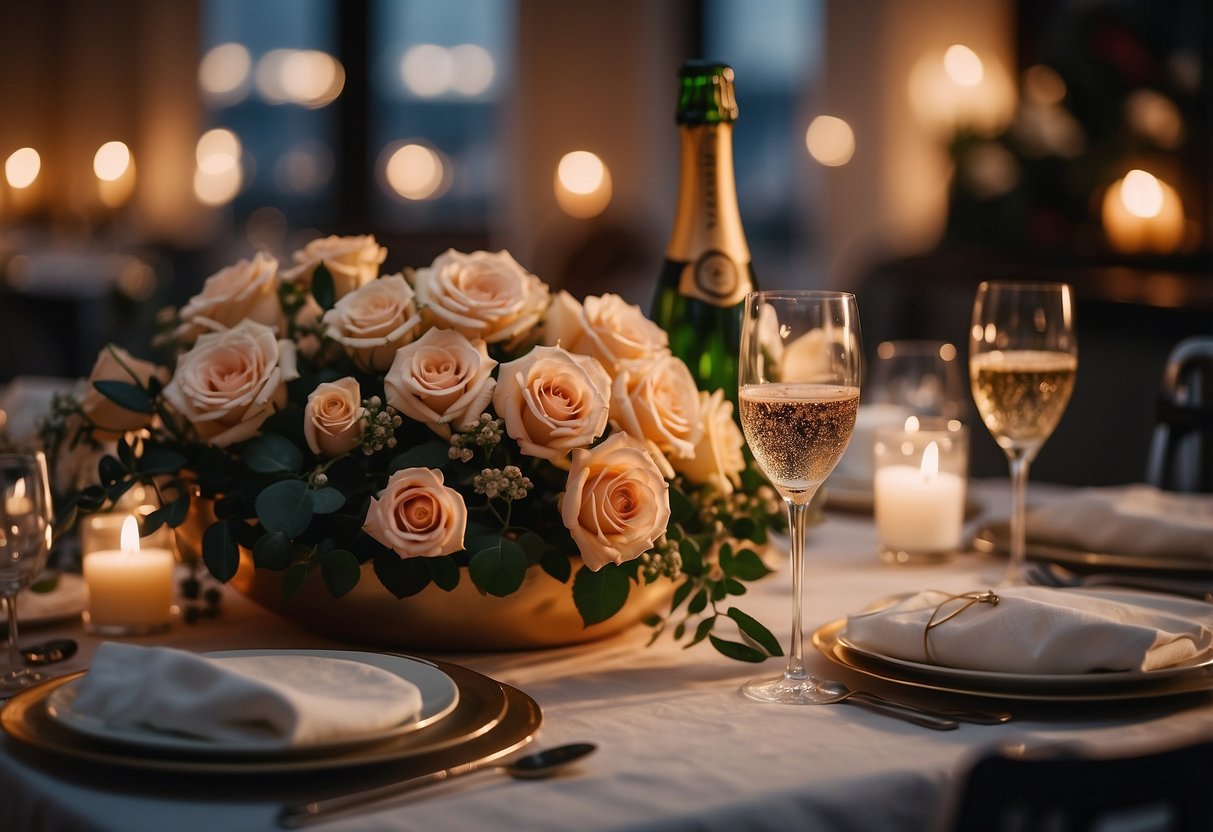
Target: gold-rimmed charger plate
995 538
826 640
490 719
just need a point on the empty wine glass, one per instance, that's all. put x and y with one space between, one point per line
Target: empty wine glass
25 536
1023 358
798 377
920 376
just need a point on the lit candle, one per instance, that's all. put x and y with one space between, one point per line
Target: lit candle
130 589
16 502
920 493
1141 213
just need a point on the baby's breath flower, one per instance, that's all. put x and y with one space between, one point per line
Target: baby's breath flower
381 424
484 433
664 561
507 483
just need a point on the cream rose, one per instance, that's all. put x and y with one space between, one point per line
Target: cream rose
440 379
109 419
417 515
659 401
613 331
333 418
553 401
616 504
373 321
247 290
718 459
352 261
483 295
231 381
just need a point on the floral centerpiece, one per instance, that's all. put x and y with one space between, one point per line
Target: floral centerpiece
456 422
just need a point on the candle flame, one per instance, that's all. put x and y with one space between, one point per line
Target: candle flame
912 424
19 489
930 461
130 534
1141 194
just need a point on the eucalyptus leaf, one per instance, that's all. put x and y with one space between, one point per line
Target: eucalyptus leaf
126 395
701 632
599 595
499 570
756 631
323 289
698 602
682 510
444 572
557 564
220 552
272 551
273 454
110 470
681 593
159 459
401 576
285 507
293 580
736 650
748 566
340 571
327 500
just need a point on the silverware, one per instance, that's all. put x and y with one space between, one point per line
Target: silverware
1056 575
941 719
531 767
49 652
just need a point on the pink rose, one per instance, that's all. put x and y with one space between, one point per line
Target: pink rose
616 503
333 421
441 379
246 290
484 295
417 515
553 401
373 321
613 331
231 381
659 401
109 419
718 458
352 261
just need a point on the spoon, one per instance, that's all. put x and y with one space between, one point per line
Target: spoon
944 719
49 652
531 767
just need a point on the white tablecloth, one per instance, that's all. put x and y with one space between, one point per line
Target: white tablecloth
679 747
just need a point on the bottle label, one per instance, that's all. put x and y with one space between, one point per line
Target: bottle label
715 278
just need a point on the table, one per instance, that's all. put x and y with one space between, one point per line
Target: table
679 747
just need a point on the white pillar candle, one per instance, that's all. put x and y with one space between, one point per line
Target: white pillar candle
130 589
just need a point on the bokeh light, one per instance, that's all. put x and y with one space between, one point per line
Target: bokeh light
583 184
223 73
416 172
22 167
963 66
830 141
111 161
427 70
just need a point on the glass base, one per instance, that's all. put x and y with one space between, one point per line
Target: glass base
16 681
914 558
787 690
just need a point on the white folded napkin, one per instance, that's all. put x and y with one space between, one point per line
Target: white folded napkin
272 702
1138 520
1042 630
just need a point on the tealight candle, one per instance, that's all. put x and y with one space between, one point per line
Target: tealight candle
130 589
919 490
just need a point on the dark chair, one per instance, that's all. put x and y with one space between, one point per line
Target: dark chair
1181 454
1066 791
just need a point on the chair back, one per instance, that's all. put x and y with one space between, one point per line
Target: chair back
1181 453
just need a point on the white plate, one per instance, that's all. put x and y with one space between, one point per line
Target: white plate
64 602
439 696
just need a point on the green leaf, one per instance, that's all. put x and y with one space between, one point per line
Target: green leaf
599 595
323 289
220 552
681 593
681 507
701 632
691 551
698 602
178 509
736 650
157 459
680 630
748 566
557 564
742 528
293 580
499 570
401 576
340 571
753 629
432 454
126 395
272 454
152 521
444 572
327 500
533 545
272 551
110 470
125 452
285 507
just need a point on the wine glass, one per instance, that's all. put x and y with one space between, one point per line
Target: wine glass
919 376
1023 358
799 372
25 536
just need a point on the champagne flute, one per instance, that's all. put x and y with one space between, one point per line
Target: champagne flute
799 372
1023 358
25 536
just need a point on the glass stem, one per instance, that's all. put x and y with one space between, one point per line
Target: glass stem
15 662
1014 575
797 526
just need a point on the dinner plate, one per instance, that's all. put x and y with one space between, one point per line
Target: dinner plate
489 718
439 697
995 538
66 601
1028 687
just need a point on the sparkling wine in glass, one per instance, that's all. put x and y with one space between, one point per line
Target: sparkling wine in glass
799 373
25 536
1023 358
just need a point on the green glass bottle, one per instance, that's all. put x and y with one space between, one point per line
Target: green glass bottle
707 270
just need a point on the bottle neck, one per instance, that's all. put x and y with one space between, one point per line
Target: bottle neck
707 225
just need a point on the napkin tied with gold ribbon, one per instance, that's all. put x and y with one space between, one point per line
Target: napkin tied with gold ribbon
274 701
1041 630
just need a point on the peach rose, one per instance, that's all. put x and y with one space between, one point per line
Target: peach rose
109 419
246 290
417 515
483 295
352 261
333 418
659 401
718 459
374 320
440 379
616 504
553 401
231 381
613 331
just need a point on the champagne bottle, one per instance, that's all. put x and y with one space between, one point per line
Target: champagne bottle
707 269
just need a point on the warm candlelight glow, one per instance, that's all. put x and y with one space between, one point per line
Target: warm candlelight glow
111 161
960 88
930 461
830 141
1141 194
307 77
217 151
1142 213
130 535
22 167
416 172
963 65
427 70
223 73
130 588
474 69
583 184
